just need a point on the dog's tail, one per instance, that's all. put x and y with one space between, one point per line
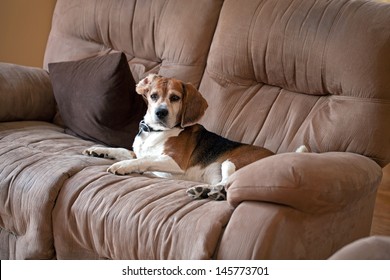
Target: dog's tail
302 149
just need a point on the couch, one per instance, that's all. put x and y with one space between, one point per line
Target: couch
376 247
275 73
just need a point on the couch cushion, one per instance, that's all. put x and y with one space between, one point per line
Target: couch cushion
21 83
170 37
97 99
101 215
36 159
49 188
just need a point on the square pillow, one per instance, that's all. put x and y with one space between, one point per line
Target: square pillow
96 99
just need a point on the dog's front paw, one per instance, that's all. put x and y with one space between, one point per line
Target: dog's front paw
124 167
96 152
217 192
198 192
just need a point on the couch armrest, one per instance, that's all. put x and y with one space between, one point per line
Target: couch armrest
25 94
309 182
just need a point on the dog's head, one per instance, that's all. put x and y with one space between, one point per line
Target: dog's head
171 102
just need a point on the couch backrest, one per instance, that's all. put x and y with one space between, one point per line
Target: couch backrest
291 72
280 73
170 37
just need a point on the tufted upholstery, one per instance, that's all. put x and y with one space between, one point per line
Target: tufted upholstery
295 72
170 37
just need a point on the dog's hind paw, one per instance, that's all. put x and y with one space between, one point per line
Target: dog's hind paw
198 192
217 192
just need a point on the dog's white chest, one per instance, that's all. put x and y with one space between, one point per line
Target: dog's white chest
152 143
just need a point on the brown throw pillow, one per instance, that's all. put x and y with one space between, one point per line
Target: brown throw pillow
96 99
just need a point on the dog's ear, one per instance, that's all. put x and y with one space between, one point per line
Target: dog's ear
194 105
143 87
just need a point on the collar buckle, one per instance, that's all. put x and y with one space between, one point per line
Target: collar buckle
144 127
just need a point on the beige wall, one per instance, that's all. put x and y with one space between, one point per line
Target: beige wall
24 28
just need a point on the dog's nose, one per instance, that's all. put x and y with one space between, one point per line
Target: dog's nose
161 113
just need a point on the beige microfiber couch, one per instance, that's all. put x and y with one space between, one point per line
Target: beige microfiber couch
276 73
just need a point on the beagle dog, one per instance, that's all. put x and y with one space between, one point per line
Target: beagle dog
170 143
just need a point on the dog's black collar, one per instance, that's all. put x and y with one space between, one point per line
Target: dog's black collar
143 127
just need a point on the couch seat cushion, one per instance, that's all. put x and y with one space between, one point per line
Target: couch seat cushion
57 203
101 215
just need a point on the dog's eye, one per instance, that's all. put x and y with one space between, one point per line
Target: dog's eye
154 96
174 98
